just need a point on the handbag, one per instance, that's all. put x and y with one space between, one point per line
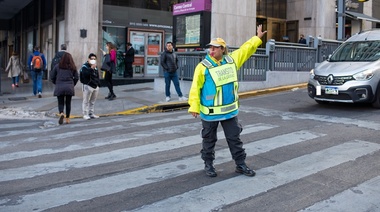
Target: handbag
106 62
25 76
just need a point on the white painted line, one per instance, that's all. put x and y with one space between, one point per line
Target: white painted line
217 195
364 197
111 156
112 139
323 118
13 125
109 185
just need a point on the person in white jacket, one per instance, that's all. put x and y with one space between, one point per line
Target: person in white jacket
14 68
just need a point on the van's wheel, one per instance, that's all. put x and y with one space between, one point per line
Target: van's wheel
376 102
322 102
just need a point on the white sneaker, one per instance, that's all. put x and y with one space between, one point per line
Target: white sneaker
182 98
86 117
39 94
93 116
167 99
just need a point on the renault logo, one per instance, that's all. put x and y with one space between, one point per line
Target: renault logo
330 79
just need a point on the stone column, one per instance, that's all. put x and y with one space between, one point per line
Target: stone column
315 18
85 15
233 20
368 9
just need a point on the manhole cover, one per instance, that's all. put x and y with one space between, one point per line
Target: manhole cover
17 98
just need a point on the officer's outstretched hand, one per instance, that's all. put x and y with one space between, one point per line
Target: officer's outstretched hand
195 115
260 32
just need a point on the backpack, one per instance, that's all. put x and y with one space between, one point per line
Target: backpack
37 62
81 79
56 60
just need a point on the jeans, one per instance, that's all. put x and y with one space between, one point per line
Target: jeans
37 81
171 77
15 80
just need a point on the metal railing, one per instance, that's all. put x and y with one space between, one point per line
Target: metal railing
277 56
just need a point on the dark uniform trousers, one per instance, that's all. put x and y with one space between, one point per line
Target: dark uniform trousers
232 130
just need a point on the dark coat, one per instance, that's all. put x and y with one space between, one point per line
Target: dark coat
129 55
64 81
169 61
89 76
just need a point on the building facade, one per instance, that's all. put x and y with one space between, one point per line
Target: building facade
86 25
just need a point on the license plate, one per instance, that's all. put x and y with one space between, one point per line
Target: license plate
331 90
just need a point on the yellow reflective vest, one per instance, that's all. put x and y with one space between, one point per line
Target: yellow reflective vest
213 92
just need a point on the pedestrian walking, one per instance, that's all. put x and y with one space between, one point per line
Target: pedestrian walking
109 67
214 97
37 65
65 77
58 56
14 68
169 63
89 77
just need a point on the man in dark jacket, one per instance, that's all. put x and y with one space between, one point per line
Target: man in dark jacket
129 58
302 39
89 77
169 62
58 56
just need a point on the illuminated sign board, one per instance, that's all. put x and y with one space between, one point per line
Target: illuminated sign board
192 24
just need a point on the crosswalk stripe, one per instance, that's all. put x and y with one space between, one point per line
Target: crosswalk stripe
14 125
98 142
364 197
109 185
323 118
111 156
105 122
215 196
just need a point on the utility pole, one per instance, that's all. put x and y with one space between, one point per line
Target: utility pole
341 19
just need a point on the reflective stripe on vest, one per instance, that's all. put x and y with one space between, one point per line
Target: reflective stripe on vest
222 75
219 110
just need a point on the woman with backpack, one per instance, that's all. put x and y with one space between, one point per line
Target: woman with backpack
65 77
14 69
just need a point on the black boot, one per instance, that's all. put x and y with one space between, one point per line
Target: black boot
112 97
109 95
244 169
210 169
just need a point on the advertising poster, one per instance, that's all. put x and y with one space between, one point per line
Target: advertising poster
138 65
138 40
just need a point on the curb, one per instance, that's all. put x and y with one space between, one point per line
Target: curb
166 107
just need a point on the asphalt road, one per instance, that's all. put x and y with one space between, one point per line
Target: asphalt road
308 157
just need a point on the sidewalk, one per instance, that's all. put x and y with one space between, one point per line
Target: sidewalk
131 99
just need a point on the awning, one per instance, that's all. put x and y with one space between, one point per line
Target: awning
361 16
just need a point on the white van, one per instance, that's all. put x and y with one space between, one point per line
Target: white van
351 74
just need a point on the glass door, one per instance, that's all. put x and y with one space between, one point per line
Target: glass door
147 45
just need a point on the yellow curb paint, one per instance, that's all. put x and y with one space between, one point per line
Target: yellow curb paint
157 108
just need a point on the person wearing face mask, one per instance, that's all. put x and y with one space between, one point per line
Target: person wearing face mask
89 77
214 97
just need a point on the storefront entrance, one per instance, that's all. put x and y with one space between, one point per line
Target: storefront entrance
147 45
